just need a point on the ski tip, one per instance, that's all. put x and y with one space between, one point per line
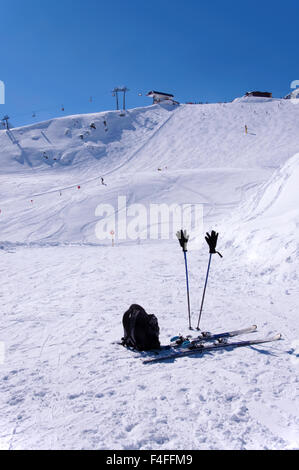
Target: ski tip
274 338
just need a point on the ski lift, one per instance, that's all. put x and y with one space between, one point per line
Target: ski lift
33 114
62 108
5 121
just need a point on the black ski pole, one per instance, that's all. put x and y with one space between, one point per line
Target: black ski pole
212 242
183 240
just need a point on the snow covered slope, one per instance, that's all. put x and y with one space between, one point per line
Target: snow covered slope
266 227
64 383
203 152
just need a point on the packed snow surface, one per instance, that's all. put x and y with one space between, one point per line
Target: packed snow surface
64 382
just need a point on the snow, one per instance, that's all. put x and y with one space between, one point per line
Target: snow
267 224
65 384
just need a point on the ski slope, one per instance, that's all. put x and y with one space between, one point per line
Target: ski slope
202 150
64 384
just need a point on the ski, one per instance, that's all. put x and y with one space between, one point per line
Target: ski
180 341
201 348
186 342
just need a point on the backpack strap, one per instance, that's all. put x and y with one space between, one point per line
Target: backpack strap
130 339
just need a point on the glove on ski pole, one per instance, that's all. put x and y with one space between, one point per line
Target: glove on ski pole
211 240
183 238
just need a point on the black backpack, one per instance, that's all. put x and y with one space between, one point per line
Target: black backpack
141 331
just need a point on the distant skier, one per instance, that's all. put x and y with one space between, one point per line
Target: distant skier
105 125
103 182
246 129
93 126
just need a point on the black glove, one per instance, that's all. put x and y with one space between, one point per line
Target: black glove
212 242
183 238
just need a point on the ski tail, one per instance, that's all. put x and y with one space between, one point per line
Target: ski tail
202 348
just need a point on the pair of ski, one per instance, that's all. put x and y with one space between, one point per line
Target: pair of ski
197 345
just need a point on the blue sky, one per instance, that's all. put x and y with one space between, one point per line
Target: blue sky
63 52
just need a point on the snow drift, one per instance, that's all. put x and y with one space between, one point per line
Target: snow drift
266 227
